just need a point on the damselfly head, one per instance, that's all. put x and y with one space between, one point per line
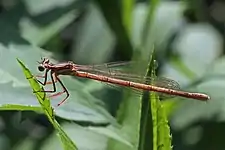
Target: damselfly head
43 64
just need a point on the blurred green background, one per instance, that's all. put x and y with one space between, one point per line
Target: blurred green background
189 46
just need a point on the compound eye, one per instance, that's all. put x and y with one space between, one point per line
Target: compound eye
41 68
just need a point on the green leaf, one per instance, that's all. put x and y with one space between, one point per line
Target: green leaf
127 9
86 139
154 123
46 106
40 35
19 107
113 133
39 21
100 30
113 15
161 129
129 116
147 114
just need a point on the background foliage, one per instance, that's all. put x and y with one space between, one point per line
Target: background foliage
188 42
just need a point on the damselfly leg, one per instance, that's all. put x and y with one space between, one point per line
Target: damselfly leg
54 79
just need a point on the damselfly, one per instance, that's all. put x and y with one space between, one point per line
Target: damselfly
95 72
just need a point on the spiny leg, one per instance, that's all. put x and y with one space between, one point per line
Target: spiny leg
50 82
53 75
60 93
45 81
44 76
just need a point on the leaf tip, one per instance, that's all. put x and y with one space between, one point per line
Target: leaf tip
21 63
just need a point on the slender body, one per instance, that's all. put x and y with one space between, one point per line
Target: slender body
96 73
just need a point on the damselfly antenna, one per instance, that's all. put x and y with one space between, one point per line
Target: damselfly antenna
41 61
45 61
